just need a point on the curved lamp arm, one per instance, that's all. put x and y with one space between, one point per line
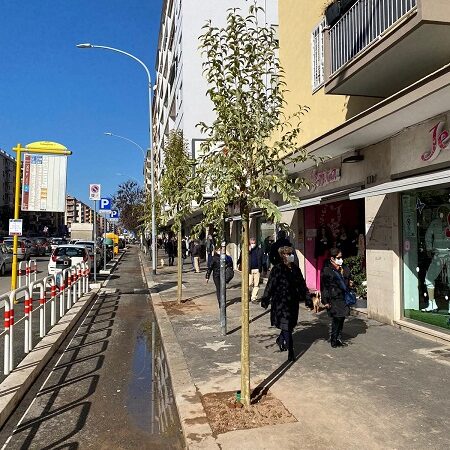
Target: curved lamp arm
107 133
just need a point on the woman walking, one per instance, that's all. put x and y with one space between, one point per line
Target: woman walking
285 289
335 276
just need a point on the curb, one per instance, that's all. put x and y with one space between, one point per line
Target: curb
16 384
194 423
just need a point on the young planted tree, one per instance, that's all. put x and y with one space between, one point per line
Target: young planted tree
175 196
251 142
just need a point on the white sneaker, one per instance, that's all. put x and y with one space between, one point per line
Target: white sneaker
432 306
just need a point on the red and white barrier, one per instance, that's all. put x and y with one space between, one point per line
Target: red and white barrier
62 289
26 273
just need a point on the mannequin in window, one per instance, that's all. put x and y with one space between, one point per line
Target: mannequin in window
437 242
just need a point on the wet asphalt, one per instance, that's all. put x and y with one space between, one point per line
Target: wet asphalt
98 392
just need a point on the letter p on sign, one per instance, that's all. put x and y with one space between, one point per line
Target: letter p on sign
105 204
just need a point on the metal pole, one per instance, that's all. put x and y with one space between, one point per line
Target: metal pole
150 129
95 241
16 215
223 290
104 247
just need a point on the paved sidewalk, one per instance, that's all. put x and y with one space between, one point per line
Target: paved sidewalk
387 390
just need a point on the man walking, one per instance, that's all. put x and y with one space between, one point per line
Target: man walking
195 252
255 264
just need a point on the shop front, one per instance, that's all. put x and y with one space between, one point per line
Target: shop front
426 255
337 224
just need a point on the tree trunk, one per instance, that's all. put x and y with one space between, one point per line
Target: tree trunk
245 338
179 266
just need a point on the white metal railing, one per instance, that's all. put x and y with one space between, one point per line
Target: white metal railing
361 25
60 290
27 272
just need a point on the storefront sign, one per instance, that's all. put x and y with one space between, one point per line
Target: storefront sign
325 177
440 140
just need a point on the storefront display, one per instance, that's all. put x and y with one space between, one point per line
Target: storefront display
426 255
336 224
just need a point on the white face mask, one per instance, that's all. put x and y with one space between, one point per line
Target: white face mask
252 245
290 258
339 261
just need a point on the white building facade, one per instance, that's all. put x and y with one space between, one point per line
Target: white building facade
180 100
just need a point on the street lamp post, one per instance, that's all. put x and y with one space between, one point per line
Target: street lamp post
152 161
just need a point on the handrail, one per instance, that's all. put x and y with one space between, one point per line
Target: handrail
363 24
53 285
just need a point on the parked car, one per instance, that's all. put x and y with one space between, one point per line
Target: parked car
57 241
90 246
42 245
65 256
23 251
6 258
32 245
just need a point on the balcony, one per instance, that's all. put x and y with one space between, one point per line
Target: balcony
379 47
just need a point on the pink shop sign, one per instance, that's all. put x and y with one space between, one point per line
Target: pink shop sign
325 177
440 140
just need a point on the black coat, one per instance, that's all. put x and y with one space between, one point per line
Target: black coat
332 292
214 267
285 288
259 258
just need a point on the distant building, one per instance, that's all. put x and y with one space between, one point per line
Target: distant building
7 180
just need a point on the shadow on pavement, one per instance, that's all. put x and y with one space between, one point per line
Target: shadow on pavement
77 387
303 340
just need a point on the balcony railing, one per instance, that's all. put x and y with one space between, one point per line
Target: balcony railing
363 24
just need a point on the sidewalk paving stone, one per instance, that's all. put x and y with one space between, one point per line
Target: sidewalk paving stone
387 389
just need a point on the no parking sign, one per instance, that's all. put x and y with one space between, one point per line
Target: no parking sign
94 192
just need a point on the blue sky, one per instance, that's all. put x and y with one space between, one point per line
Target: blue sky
50 90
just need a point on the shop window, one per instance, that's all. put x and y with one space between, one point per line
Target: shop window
426 256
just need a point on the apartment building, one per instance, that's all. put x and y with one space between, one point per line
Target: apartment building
180 100
8 176
376 76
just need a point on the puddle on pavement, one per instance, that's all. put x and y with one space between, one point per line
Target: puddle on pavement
150 400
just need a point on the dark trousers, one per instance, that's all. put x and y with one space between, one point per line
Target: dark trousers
217 283
171 259
336 328
286 337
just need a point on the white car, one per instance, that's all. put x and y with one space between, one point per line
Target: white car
65 256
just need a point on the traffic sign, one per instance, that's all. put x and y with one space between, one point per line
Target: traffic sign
114 215
15 227
105 205
94 192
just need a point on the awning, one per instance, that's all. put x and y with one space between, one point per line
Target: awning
405 184
301 204
336 196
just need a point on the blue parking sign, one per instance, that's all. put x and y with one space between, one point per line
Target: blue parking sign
104 204
114 214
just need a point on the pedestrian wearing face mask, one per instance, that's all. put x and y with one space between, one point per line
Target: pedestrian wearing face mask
285 289
255 266
334 275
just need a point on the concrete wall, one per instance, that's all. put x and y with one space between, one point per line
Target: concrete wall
382 257
197 106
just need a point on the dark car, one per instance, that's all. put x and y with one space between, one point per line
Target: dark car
42 245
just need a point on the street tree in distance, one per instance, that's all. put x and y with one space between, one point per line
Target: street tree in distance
251 141
129 200
175 195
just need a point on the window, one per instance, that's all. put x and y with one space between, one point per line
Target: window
426 256
317 56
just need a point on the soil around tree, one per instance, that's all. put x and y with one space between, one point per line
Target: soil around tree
225 414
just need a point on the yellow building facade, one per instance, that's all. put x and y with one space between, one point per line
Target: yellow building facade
297 21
